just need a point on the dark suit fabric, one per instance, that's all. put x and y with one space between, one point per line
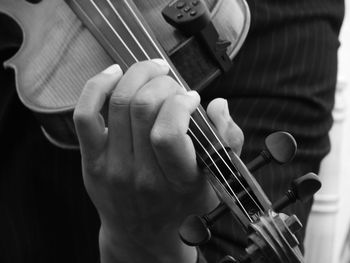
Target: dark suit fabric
282 79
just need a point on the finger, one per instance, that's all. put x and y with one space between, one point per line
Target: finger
218 113
88 121
119 123
144 108
173 147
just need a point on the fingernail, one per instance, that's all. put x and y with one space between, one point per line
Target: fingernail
193 94
161 62
112 69
226 109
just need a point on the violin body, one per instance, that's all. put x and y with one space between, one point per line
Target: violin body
59 54
57 57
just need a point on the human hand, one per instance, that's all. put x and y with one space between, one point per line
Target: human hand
141 172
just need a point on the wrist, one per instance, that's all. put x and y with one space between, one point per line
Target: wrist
158 249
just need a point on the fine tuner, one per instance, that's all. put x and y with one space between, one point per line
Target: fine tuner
280 147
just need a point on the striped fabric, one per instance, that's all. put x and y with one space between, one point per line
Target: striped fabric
283 78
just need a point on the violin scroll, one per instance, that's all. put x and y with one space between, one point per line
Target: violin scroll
272 238
270 234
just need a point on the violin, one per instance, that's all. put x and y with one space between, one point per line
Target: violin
62 38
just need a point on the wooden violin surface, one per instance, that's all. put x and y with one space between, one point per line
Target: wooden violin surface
57 57
59 54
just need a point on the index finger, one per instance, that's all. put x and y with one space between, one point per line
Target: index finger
89 123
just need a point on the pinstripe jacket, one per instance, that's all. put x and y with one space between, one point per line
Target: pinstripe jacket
282 79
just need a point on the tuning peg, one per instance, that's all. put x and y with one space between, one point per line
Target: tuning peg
195 230
302 188
279 146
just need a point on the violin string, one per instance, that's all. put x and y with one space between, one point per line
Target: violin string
159 52
171 69
128 29
113 29
100 33
217 168
140 46
227 166
215 135
180 82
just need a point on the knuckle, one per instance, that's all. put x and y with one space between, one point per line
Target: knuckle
145 68
117 172
180 102
149 93
81 116
117 99
178 99
162 137
142 107
167 80
94 168
143 98
92 83
138 67
145 183
83 108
